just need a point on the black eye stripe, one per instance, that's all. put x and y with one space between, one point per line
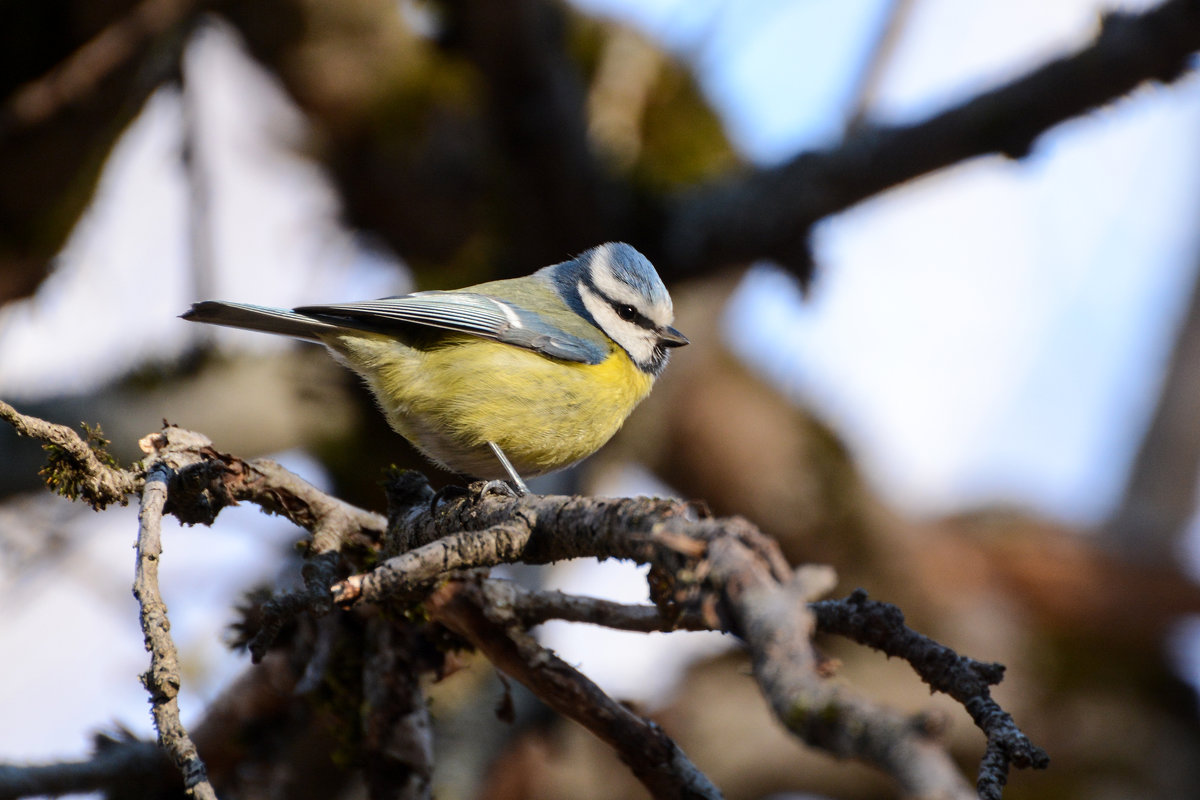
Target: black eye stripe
638 318
623 311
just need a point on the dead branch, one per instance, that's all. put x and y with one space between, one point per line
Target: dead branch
881 626
162 680
772 618
533 608
185 476
76 470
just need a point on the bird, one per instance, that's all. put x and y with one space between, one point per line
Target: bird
504 379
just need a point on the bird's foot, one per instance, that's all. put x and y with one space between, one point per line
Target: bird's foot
446 494
503 488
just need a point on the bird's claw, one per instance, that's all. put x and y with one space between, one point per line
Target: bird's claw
500 487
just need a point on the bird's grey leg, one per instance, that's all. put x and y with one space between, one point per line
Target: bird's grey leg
508 467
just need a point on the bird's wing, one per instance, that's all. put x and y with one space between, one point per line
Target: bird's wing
463 312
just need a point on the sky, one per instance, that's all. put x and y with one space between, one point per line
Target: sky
993 333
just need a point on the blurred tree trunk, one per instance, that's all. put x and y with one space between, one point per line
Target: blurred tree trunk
1160 496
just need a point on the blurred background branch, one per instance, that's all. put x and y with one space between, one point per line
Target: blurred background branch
73 76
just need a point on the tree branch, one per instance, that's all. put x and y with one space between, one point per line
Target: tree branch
162 680
534 608
77 78
705 572
55 128
467 607
767 213
75 469
209 481
881 626
125 762
756 597
772 618
185 476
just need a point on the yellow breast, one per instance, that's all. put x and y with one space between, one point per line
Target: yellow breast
451 400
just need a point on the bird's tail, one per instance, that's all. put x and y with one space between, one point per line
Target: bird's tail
259 318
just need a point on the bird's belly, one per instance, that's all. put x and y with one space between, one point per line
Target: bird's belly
543 413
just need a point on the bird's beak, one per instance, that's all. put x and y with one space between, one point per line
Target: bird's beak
669 337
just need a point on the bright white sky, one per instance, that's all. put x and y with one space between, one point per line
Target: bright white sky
995 332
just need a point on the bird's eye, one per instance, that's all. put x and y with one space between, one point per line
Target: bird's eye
626 312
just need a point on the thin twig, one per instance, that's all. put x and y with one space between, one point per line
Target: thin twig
77 469
878 58
500 544
194 155
319 574
333 522
881 626
162 680
533 608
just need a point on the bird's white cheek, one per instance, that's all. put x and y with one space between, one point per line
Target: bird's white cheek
634 339
639 347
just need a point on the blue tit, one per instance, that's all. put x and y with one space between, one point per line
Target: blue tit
507 378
